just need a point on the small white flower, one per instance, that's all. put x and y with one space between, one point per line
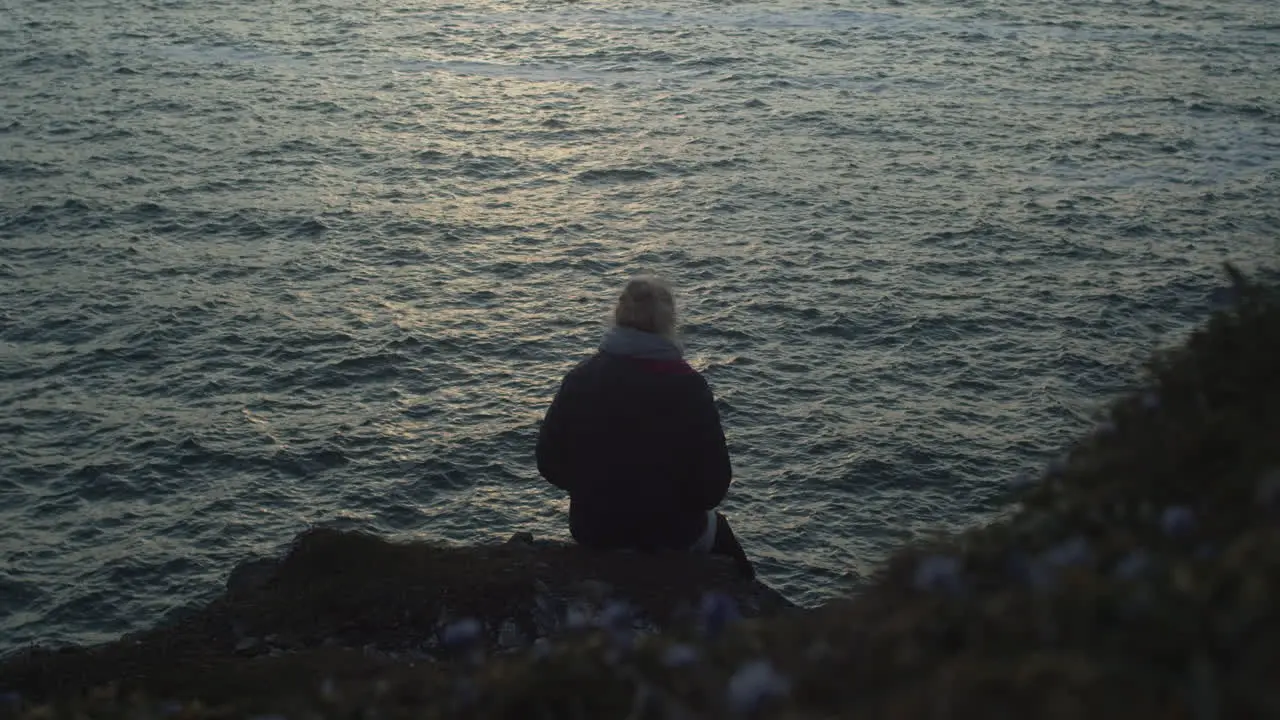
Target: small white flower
1041 576
461 632
576 618
1074 551
716 612
541 648
510 635
938 572
1132 565
679 655
616 616
1177 521
753 684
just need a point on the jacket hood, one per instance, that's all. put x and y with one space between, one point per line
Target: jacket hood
639 344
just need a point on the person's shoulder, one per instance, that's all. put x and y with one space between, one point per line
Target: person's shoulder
680 377
583 367
672 368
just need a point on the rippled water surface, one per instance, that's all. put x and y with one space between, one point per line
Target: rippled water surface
273 263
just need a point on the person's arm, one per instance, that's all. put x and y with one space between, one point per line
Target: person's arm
551 450
712 469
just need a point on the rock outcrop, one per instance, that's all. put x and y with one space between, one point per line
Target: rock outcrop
405 602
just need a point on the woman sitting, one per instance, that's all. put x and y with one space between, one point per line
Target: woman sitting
635 438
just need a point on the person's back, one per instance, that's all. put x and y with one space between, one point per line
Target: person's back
634 436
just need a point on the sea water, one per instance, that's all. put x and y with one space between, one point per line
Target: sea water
278 263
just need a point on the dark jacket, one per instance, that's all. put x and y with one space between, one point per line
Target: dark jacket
635 437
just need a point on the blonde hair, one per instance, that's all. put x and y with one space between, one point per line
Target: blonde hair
647 304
